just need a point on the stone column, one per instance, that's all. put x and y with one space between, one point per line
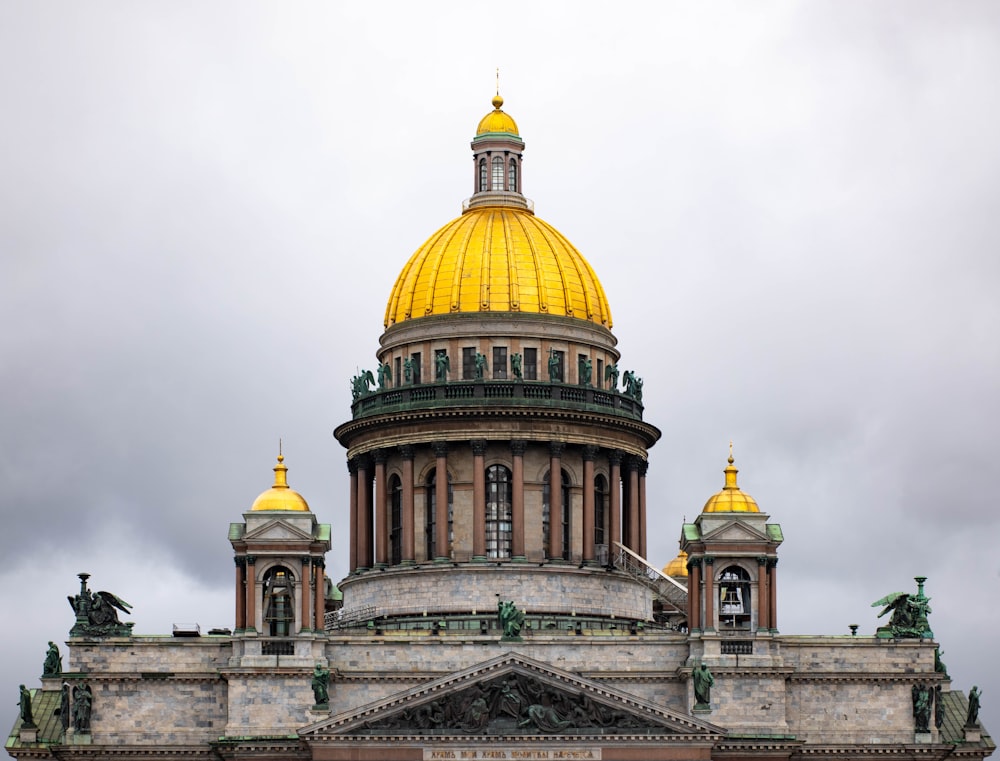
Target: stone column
441 502
517 449
589 453
306 603
241 592
251 591
615 488
694 594
555 500
381 511
479 500
772 592
709 594
320 594
633 504
409 547
643 467
352 468
763 598
363 537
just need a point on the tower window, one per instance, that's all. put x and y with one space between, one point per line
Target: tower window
483 179
497 173
547 513
430 520
279 602
468 363
415 368
734 598
600 509
530 366
499 362
512 177
395 520
499 512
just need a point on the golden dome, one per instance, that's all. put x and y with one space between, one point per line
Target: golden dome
677 568
280 496
731 499
496 120
497 259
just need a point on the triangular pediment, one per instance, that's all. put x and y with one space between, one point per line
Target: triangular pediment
736 531
276 531
511 696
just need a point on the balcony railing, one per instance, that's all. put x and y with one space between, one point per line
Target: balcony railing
496 393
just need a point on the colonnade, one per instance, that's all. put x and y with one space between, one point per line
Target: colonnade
309 585
702 594
370 501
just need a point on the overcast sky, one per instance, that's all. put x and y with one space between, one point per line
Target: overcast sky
793 208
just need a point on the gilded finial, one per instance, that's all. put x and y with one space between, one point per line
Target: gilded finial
281 456
497 100
730 451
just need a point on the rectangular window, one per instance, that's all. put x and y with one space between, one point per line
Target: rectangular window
529 367
397 367
468 363
599 380
415 358
500 362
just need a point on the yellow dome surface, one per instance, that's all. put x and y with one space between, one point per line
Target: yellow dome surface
497 121
280 496
497 259
731 499
677 568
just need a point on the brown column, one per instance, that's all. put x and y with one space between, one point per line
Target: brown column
241 592
306 601
763 598
251 590
709 595
381 511
589 453
441 500
555 500
320 594
643 466
364 514
517 499
408 533
772 592
479 500
633 504
694 594
615 461
352 468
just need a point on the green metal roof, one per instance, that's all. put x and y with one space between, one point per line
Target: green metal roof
691 532
774 532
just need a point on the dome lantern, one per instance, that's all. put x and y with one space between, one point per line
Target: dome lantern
496 162
731 499
280 496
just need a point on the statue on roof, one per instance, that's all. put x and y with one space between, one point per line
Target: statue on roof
555 362
972 715
481 366
53 661
611 376
515 366
909 614
633 385
97 613
586 369
441 367
361 384
24 703
922 707
83 699
408 370
384 376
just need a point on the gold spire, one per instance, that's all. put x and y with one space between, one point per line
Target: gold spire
731 499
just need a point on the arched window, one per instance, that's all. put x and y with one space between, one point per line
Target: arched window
279 602
546 513
600 511
497 173
734 598
430 522
512 177
395 520
483 178
499 512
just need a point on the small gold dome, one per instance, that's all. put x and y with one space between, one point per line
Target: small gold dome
731 499
677 568
497 259
497 121
280 496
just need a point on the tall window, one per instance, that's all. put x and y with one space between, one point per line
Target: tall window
529 368
734 598
547 513
499 512
497 173
279 602
415 367
468 363
600 509
395 520
499 361
512 177
430 519
483 179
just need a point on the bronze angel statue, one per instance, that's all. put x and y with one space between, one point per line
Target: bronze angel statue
97 612
909 614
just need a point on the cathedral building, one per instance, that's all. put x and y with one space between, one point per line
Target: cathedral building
499 603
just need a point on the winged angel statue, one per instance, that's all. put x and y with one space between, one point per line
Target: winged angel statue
97 612
909 615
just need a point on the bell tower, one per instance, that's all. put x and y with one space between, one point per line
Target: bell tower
280 553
